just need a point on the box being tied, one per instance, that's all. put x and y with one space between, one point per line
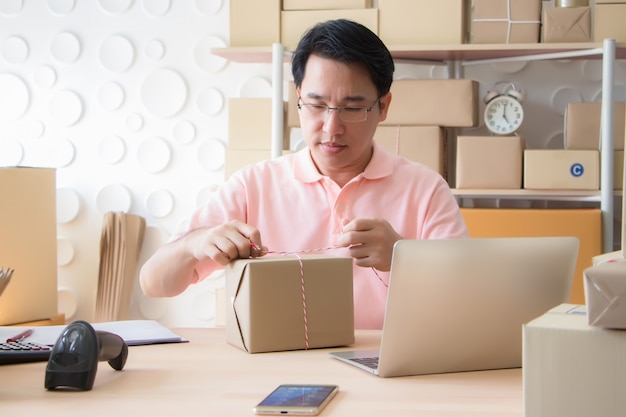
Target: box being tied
289 302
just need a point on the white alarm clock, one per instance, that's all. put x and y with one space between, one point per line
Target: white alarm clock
504 113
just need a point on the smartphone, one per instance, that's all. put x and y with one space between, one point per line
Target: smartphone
297 400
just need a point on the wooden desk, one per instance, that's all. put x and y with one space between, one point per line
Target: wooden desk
208 377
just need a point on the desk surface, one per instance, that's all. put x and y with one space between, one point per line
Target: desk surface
208 377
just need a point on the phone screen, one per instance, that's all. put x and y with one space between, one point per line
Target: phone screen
297 399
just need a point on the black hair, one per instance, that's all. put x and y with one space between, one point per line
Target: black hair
348 42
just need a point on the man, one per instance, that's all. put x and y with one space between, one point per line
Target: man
342 194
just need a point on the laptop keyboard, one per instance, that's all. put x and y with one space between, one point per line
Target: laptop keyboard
371 362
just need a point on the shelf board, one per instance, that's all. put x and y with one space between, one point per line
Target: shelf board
523 194
442 53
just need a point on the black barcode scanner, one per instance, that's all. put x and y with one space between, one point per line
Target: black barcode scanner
74 358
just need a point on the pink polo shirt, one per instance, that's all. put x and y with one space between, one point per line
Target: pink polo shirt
297 209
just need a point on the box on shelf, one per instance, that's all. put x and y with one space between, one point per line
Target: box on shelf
419 102
28 244
294 23
582 125
293 115
506 21
424 144
236 159
570 368
608 21
250 123
325 4
266 312
561 169
566 24
413 22
254 23
585 224
489 162
605 294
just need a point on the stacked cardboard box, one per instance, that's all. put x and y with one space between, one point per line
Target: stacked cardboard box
506 21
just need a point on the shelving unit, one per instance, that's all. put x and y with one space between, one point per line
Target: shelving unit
456 57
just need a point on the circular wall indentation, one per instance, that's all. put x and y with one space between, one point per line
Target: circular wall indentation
111 149
211 155
184 132
34 129
153 308
62 153
155 49
67 302
205 59
205 194
116 54
208 7
68 205
556 141
65 47
14 99
154 154
210 101
203 306
113 197
592 70
111 96
160 203
60 7
564 95
156 8
66 108
11 7
163 93
65 251
115 6
15 50
510 67
11 152
134 122
45 76
256 87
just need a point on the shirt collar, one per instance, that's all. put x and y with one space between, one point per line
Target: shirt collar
380 166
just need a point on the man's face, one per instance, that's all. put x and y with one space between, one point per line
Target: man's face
339 147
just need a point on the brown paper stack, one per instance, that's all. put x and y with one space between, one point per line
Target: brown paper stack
120 245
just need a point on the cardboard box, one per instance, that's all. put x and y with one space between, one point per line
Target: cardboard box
608 22
605 294
293 114
506 21
414 22
546 169
572 369
424 144
265 311
325 4
567 24
254 23
236 159
294 23
489 162
28 244
250 123
419 102
585 224
582 125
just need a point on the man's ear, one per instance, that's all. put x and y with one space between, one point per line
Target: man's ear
384 101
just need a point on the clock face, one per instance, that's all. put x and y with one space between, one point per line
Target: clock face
503 115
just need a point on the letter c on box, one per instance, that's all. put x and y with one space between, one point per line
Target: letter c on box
577 169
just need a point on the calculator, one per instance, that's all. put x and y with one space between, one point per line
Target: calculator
23 352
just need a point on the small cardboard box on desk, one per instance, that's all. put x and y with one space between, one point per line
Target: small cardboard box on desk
572 369
290 302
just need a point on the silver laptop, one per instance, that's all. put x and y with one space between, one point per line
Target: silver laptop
459 305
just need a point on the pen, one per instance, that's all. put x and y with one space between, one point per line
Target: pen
20 336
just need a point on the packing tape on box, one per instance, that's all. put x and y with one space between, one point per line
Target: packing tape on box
509 21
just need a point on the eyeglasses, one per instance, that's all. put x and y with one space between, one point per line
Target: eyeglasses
349 114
